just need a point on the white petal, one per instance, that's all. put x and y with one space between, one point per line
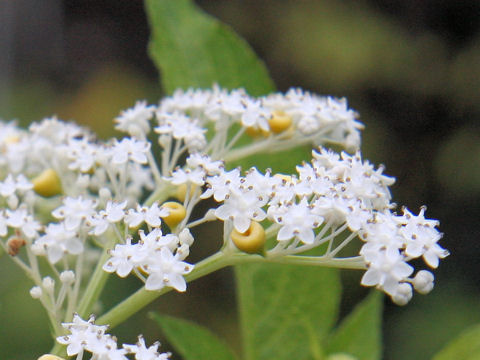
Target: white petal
371 277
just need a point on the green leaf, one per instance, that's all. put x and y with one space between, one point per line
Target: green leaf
359 334
193 49
193 342
464 347
286 311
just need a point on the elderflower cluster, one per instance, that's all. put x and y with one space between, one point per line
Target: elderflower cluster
85 336
90 208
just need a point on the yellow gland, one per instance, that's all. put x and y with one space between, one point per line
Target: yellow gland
47 183
252 240
279 122
50 357
256 132
176 215
181 191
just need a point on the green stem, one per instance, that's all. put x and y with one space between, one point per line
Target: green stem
96 284
162 193
356 262
142 297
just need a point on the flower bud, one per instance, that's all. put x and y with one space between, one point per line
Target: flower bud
47 184
12 201
36 292
177 213
403 294
279 122
67 277
186 237
105 194
252 240
423 282
183 251
48 284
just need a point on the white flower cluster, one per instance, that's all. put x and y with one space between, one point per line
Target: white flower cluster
74 200
85 336
332 195
299 116
159 256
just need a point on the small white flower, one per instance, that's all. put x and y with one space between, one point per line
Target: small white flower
192 176
124 258
211 167
114 212
135 121
58 241
167 270
143 353
74 211
241 207
386 271
221 185
20 219
129 149
297 221
422 237
85 335
152 215
9 186
255 115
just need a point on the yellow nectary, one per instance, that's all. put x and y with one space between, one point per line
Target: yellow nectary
47 183
176 215
256 132
279 122
50 357
252 240
181 191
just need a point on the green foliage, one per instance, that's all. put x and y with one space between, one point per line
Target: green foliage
464 347
359 334
193 49
192 341
286 311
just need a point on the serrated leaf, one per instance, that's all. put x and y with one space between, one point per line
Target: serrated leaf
359 334
193 49
192 341
464 347
286 311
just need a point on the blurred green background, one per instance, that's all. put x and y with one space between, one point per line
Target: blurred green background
411 68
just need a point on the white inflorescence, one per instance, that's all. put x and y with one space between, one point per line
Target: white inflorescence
68 197
85 336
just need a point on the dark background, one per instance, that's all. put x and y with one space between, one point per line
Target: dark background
410 67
